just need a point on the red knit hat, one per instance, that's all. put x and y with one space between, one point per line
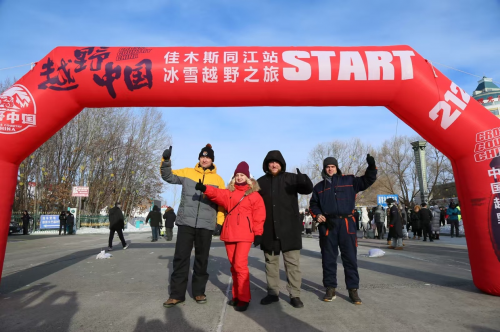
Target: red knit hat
243 168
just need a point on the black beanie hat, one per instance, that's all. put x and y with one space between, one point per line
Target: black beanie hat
330 161
207 152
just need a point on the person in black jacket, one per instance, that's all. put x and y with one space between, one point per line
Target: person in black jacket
62 222
332 203
169 217
26 222
155 218
70 222
416 225
395 225
356 217
425 216
282 228
116 224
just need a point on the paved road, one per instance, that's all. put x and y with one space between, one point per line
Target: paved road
54 283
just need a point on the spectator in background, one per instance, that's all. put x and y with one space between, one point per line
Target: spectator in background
453 213
70 222
62 222
26 222
442 215
169 217
356 217
435 222
154 217
308 221
379 217
416 226
425 217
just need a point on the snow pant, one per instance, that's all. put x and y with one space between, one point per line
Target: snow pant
237 253
62 227
455 224
292 268
427 231
308 231
380 230
186 237
112 235
154 233
169 233
341 233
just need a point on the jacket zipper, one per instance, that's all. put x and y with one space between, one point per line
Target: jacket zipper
199 202
249 225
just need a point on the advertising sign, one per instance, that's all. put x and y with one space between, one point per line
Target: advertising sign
80 192
49 222
382 198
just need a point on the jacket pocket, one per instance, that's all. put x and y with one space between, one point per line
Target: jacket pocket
249 225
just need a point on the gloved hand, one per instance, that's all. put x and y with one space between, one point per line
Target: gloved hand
298 172
200 186
167 153
257 240
371 162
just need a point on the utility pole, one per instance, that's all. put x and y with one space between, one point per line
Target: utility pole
421 165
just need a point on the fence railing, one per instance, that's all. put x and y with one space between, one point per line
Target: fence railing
93 221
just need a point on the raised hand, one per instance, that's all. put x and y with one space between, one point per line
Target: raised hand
371 161
167 153
200 186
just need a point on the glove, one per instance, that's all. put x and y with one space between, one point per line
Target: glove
167 153
298 172
257 240
200 186
371 162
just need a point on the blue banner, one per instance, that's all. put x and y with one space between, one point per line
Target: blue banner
49 222
382 198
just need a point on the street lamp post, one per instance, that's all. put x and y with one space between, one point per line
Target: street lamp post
419 151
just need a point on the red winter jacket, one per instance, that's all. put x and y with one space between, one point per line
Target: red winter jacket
247 219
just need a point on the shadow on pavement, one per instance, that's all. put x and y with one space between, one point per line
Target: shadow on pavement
35 310
174 321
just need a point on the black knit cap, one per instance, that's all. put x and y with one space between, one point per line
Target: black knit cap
207 152
330 161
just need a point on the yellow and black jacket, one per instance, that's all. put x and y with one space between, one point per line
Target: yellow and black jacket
195 210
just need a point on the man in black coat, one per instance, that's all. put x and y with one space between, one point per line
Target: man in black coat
425 216
70 222
116 224
356 217
282 228
395 225
332 203
169 217
62 222
154 217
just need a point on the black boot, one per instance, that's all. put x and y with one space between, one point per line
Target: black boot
330 294
241 306
233 302
269 299
296 302
353 295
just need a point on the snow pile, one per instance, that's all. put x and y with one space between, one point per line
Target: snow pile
103 255
376 253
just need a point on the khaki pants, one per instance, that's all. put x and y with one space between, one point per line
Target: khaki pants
292 269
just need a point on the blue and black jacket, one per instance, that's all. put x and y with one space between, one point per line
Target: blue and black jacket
336 195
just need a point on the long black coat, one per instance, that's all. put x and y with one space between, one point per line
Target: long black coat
280 194
425 216
395 224
169 217
415 221
154 217
116 219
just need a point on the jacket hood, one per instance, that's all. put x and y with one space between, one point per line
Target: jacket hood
274 155
379 208
156 208
212 169
251 189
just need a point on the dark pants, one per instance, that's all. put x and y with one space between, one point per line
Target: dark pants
442 222
454 224
416 231
186 237
169 234
25 228
308 231
120 235
70 228
341 234
62 227
427 230
154 232
380 230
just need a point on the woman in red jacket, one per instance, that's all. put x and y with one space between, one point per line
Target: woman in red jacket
243 225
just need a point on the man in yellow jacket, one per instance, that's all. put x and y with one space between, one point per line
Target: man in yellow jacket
196 219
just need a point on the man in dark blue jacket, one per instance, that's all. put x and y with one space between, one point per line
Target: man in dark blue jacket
332 203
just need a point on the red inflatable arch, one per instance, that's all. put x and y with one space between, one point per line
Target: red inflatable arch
71 78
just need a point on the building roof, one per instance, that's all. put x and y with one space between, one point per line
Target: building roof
486 85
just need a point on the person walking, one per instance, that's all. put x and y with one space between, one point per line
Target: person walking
378 216
243 225
169 217
116 224
416 225
435 222
308 221
453 214
282 228
196 220
332 203
70 222
26 222
425 217
62 222
395 225
154 218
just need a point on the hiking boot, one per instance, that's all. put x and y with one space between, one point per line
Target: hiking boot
201 299
296 302
242 306
171 303
232 302
353 295
330 294
269 299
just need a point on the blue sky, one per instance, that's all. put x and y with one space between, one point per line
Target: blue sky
460 34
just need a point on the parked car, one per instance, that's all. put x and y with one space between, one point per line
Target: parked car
14 228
